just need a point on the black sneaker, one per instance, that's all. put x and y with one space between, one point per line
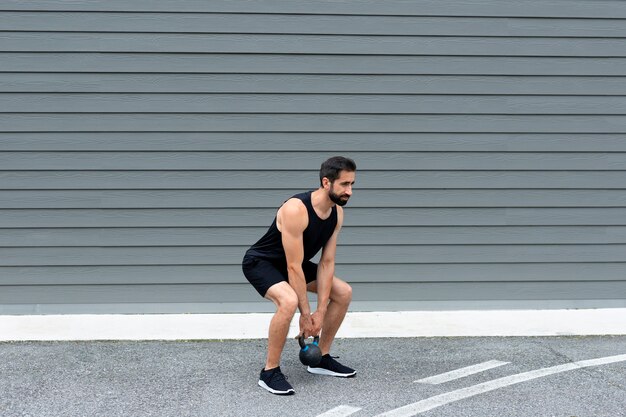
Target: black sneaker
329 366
275 382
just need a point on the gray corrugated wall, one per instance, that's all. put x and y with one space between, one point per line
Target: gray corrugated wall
145 144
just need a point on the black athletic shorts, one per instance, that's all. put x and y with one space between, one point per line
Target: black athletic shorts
262 274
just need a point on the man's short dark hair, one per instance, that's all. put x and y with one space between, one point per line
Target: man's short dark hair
332 167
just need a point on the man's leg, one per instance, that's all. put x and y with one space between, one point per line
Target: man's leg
340 297
286 302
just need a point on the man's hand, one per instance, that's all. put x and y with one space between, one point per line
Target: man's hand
317 318
306 326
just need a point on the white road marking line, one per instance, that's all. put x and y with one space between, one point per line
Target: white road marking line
460 373
452 396
341 411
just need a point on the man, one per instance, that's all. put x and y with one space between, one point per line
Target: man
279 267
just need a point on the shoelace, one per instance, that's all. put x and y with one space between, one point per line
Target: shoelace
332 362
278 376
336 366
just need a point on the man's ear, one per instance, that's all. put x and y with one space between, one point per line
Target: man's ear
325 183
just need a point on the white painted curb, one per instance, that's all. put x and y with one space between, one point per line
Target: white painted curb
356 324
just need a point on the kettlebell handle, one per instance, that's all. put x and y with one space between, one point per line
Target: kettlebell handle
316 341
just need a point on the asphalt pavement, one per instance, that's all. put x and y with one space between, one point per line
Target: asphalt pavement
525 376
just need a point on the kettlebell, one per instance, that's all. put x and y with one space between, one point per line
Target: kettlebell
310 353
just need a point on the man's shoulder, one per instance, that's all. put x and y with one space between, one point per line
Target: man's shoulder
293 205
293 209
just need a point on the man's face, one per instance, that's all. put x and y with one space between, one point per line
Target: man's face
341 189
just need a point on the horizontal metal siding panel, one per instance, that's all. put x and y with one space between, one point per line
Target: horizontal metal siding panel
256 306
280 122
508 8
309 64
94 275
489 291
262 306
354 254
151 293
406 216
312 142
308 24
273 198
127 83
350 235
228 161
243 293
248 181
309 44
312 104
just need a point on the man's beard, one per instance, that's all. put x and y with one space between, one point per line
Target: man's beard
337 198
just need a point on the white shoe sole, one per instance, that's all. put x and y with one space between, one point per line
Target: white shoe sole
322 371
273 391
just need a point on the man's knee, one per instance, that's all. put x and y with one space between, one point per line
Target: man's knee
342 292
289 304
285 298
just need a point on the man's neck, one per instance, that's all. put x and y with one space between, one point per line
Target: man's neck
321 202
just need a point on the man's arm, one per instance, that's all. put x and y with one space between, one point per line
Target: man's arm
292 221
325 273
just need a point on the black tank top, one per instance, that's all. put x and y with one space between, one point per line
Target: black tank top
315 236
